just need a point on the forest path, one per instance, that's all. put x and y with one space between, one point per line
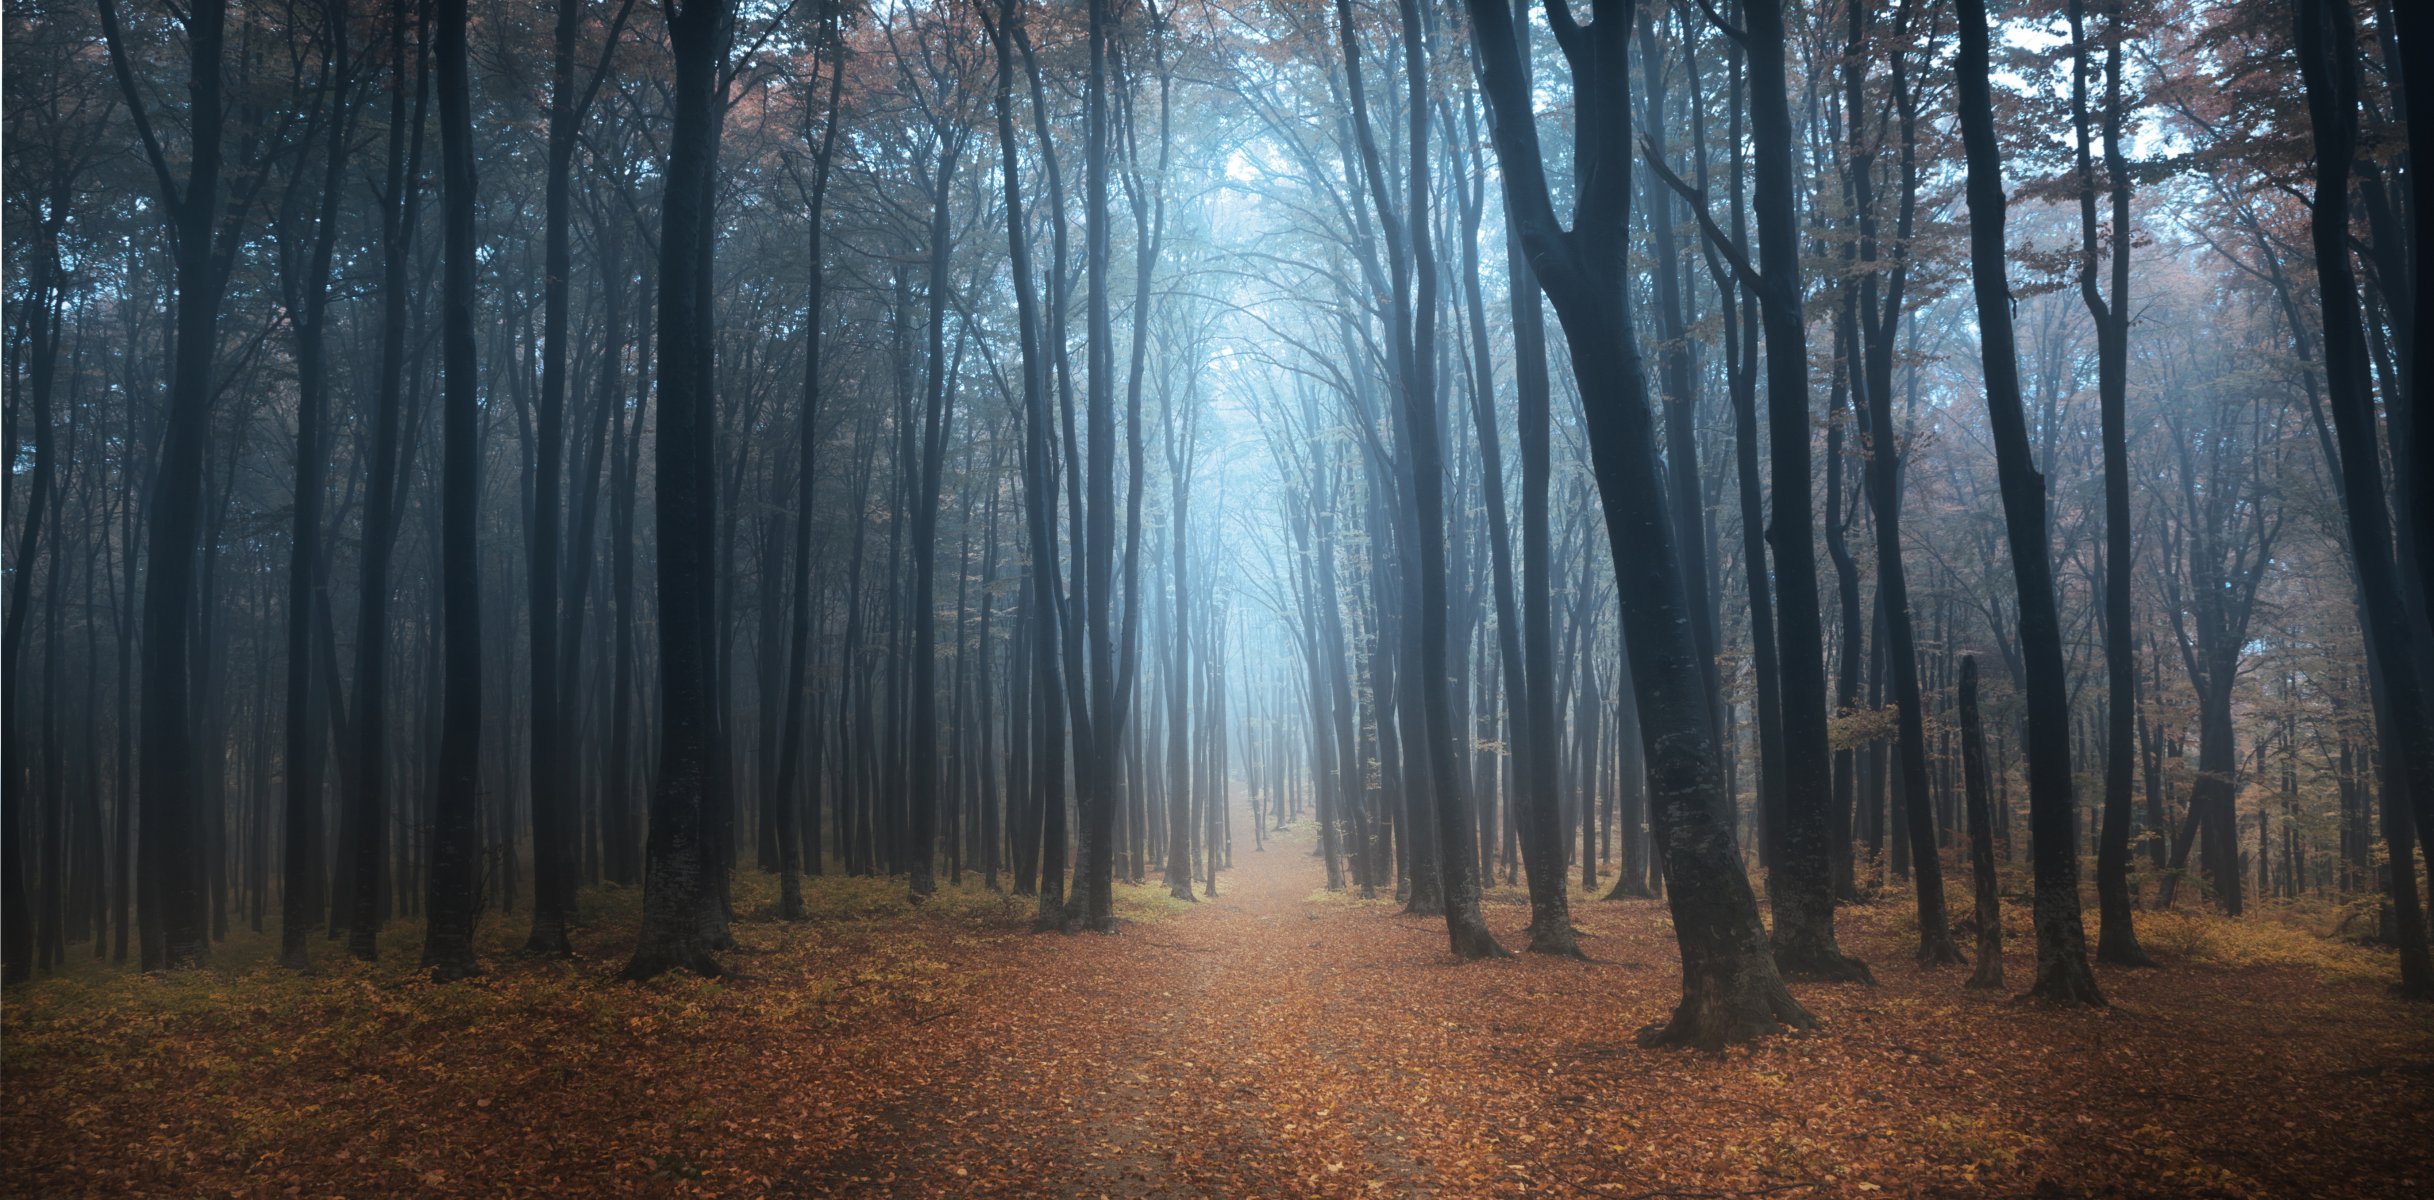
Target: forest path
1176 1057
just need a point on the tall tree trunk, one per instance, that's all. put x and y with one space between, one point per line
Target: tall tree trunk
174 933
2327 45
1801 882
801 728
2116 937
1540 838
304 283
41 308
1989 916
2062 968
1412 329
554 865
1731 991
456 804
680 897
935 417
363 825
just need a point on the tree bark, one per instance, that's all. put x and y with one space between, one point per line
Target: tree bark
2062 968
455 876
679 896
1989 916
1801 881
2327 43
1731 990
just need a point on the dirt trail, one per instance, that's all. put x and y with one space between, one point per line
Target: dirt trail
1162 1060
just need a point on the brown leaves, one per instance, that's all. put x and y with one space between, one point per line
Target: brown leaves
1260 1044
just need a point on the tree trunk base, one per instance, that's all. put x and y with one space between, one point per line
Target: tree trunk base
1937 949
1805 950
450 968
1808 960
1471 940
651 962
2118 947
1559 940
1745 1005
2065 984
548 940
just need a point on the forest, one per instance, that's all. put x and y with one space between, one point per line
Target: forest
1126 598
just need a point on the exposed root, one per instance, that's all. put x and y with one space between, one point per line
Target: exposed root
1715 1016
1823 964
2118 947
1938 949
2065 983
1472 941
652 962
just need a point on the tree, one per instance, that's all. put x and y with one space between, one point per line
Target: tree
1412 329
1731 991
455 877
304 274
2062 971
2325 40
1802 882
801 729
934 170
680 914
2116 938
1989 915
363 824
553 847
202 239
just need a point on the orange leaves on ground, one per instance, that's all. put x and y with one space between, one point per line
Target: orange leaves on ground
1267 1043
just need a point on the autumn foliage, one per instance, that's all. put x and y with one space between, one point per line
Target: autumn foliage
1279 1041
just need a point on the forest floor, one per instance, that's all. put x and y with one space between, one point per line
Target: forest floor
1277 1041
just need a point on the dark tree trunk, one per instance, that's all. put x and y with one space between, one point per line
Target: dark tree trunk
1731 991
1096 757
455 877
1412 326
1801 881
935 417
1535 774
554 821
2062 968
800 727
2116 937
2326 43
1179 462
40 334
680 896
174 931
1989 916
363 826
304 285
